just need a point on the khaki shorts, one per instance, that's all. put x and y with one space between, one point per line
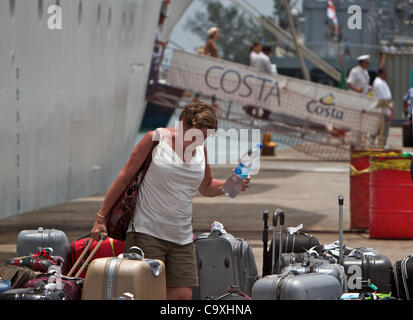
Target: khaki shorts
179 260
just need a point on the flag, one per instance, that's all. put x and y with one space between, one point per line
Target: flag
331 14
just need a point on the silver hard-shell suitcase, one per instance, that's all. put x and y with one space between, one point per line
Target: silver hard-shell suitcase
290 285
28 242
297 287
223 261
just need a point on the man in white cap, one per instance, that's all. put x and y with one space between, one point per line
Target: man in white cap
381 90
210 48
359 79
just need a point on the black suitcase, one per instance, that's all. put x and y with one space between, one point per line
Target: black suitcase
403 278
365 271
298 242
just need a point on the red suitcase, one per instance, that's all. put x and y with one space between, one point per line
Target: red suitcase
109 248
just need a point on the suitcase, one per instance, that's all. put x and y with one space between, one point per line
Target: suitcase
29 241
290 285
319 265
223 261
72 287
41 261
293 241
109 278
297 287
403 278
109 248
368 270
18 276
5 285
40 292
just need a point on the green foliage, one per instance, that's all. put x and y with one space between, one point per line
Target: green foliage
237 30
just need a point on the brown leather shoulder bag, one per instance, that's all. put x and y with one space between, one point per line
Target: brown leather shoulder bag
123 211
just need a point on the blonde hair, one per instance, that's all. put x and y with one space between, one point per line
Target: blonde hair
199 115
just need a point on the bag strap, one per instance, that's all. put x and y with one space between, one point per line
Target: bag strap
142 171
43 254
112 245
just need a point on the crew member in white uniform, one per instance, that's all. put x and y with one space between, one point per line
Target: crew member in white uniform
359 79
381 90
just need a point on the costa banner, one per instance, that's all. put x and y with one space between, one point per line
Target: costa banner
288 99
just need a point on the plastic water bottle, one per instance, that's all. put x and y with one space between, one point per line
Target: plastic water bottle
248 165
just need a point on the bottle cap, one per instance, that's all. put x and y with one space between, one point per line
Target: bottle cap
259 146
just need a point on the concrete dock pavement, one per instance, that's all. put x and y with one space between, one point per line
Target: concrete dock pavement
305 188
306 191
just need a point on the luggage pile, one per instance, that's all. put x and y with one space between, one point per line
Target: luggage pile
48 268
297 267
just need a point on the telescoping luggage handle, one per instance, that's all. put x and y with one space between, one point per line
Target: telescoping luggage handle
278 215
102 237
265 240
341 230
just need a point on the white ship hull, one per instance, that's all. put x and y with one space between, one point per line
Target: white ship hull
71 100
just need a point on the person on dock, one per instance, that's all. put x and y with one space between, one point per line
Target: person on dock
255 52
359 78
162 224
267 63
381 90
211 48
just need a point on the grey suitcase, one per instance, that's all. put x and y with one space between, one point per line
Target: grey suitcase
319 266
297 287
290 285
28 242
223 261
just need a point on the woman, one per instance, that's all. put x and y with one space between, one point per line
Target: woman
210 48
163 216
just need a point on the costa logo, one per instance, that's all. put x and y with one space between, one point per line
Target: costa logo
230 81
325 107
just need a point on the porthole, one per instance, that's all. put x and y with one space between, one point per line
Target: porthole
79 13
132 17
123 19
12 7
99 13
40 8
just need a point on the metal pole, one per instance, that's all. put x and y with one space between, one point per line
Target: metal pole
294 35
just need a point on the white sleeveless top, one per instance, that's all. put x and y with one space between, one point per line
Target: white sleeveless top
164 204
